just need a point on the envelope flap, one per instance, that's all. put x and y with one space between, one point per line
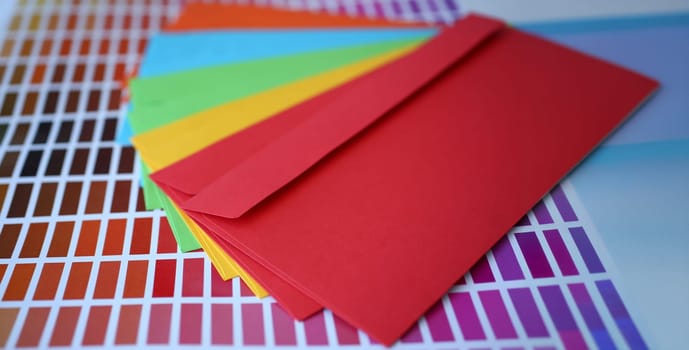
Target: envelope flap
340 119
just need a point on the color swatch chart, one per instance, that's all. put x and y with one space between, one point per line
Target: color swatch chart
83 264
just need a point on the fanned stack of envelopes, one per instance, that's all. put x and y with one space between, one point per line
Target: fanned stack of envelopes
354 164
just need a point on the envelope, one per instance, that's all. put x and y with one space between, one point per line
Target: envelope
196 16
415 169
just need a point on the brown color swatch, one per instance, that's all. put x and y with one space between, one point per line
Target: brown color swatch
96 196
140 203
10 99
49 281
35 237
3 132
81 157
8 163
53 22
20 133
62 238
7 48
57 159
19 282
126 165
46 46
46 199
88 238
141 236
20 202
38 74
106 283
42 134
115 100
79 73
109 129
72 101
114 237
51 102
85 47
3 192
59 73
30 102
94 100
99 73
78 280
70 199
135 280
8 239
66 47
103 48
120 200
65 132
26 48
103 161
7 319
87 130
18 74
31 163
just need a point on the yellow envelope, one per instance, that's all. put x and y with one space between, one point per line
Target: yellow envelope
163 146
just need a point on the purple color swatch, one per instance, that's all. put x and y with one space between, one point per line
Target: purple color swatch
467 316
507 261
588 253
559 249
497 314
528 313
438 324
534 255
481 272
542 214
562 204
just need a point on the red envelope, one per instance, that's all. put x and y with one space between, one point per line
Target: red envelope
412 170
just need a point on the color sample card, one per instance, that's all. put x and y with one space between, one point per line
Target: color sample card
83 264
